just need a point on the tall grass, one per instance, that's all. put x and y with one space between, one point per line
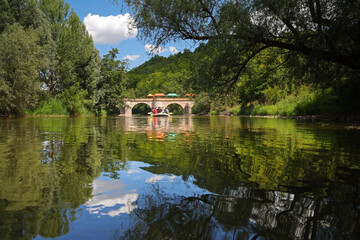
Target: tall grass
304 102
51 106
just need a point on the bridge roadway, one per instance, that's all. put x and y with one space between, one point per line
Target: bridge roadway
129 104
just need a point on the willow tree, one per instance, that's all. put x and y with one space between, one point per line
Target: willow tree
326 30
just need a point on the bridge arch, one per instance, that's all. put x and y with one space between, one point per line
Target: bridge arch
139 108
175 108
146 103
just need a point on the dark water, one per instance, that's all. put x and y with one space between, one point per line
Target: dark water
180 178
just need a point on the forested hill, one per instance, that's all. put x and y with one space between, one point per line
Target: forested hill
160 74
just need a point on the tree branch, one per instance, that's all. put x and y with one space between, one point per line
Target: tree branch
243 65
211 16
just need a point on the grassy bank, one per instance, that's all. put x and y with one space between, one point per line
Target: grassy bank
55 107
303 103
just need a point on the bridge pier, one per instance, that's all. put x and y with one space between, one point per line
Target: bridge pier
187 110
126 109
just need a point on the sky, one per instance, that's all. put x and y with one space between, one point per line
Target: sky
109 26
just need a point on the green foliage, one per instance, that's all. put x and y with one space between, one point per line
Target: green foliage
74 100
71 55
322 30
75 49
303 102
236 110
214 112
111 86
52 106
202 104
6 17
45 37
272 94
19 64
162 75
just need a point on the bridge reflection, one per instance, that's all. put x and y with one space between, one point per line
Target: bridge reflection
163 124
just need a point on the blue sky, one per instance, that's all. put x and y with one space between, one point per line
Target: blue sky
108 24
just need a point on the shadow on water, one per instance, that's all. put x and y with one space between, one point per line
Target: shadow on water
178 178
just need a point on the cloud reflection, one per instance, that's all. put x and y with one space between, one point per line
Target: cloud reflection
154 179
109 194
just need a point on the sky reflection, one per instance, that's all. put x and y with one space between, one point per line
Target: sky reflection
118 198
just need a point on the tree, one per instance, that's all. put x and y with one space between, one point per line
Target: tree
70 49
112 85
19 64
73 61
93 78
25 12
320 29
56 12
5 15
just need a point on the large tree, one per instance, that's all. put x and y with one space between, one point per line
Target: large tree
19 64
73 61
326 30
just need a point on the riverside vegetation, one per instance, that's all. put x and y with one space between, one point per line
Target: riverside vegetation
260 57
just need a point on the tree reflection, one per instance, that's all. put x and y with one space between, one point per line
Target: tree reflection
245 214
45 177
294 184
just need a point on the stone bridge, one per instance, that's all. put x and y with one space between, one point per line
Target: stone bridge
185 103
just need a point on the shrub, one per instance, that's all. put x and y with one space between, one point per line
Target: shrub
74 100
214 112
236 110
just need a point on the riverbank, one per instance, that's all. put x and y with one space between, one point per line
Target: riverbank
325 117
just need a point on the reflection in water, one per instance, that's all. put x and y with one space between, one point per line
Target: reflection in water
178 178
161 124
107 194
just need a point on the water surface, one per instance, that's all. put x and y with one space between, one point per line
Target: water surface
179 178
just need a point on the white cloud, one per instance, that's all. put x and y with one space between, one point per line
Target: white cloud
153 49
131 57
110 29
173 50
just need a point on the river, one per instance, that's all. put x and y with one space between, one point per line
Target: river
180 178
